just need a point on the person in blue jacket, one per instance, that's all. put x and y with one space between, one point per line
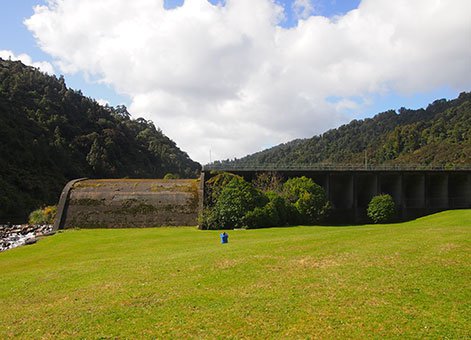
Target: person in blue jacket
224 237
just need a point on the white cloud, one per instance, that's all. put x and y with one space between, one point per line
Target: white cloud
103 102
44 66
230 79
303 8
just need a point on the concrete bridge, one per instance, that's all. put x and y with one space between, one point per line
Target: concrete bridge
416 190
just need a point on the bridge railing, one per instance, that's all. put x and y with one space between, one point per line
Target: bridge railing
332 167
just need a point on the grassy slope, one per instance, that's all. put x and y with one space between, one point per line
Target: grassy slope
403 280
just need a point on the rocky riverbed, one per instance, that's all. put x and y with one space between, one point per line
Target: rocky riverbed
12 236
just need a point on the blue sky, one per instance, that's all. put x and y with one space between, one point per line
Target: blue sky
16 37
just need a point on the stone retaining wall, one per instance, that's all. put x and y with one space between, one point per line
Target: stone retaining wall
128 203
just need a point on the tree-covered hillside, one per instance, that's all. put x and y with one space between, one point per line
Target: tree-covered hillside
50 134
438 135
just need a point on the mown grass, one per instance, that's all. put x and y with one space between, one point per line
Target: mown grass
408 280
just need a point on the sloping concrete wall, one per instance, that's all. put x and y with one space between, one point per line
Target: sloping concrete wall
131 203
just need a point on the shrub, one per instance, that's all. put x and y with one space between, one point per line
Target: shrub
236 199
381 208
264 217
295 187
231 202
171 176
46 215
214 186
312 207
275 213
207 219
282 207
308 198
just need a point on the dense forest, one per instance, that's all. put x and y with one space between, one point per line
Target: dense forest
50 134
439 135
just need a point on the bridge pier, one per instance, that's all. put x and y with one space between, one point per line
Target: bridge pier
459 190
367 186
414 195
341 196
392 184
437 191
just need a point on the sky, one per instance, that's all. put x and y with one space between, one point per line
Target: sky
227 78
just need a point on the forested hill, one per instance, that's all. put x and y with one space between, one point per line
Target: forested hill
50 134
438 135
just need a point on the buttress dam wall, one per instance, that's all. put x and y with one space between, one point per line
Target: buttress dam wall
129 203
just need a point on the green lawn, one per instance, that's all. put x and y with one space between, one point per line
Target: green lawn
409 280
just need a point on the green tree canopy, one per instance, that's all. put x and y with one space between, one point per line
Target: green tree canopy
308 198
381 208
236 199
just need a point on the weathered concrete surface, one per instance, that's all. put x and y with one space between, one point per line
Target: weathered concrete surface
62 205
130 203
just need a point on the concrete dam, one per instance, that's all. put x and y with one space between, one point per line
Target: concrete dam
129 203
124 203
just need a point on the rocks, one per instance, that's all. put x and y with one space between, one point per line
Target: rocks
31 240
12 236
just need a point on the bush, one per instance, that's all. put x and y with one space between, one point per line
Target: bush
231 202
236 199
207 219
312 207
295 187
171 176
381 208
46 215
264 217
214 186
308 198
282 207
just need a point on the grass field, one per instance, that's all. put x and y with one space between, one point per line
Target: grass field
409 280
